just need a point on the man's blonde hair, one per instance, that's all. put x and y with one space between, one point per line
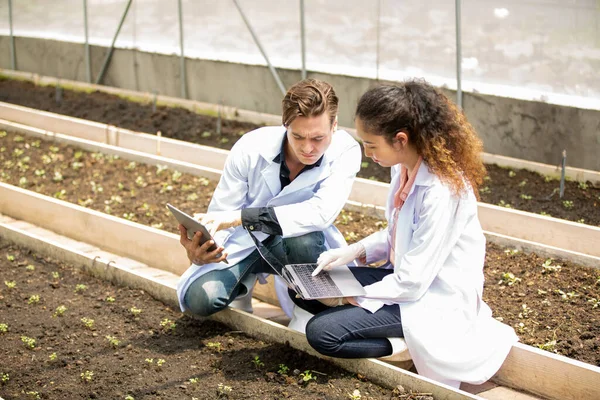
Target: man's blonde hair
309 98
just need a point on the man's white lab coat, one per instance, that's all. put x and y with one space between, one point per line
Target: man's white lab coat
310 203
438 283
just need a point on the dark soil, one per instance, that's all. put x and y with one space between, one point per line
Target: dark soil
561 305
520 189
198 356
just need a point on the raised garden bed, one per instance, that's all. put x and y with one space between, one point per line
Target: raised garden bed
519 189
552 304
65 334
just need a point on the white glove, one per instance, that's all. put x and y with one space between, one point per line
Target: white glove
218 220
336 257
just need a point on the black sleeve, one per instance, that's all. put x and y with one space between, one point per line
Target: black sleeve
261 219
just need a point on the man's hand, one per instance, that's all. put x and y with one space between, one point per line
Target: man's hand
197 254
216 221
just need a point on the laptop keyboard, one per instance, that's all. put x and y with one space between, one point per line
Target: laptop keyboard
317 286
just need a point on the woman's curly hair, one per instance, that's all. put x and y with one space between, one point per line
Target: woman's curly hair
436 127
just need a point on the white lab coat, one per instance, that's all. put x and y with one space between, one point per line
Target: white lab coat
438 283
311 202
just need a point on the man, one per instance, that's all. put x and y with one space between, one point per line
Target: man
286 185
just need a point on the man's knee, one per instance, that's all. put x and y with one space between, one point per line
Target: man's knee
205 299
305 248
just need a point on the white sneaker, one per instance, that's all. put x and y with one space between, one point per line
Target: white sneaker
300 318
244 302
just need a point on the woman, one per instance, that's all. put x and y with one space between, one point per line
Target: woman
430 290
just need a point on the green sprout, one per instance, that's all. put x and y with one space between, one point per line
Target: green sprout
307 376
3 328
176 176
34 299
567 204
33 395
214 345
55 275
87 376
30 267
582 185
223 390
167 324
4 377
283 369
28 342
149 360
110 299
10 257
88 322
355 395
10 284
129 397
485 190
194 380
512 174
257 362
160 362
549 268
548 346
113 341
80 288
60 310
53 357
509 279
135 311
511 252
522 183
525 196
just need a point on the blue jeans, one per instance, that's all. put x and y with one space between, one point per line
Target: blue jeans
349 331
214 290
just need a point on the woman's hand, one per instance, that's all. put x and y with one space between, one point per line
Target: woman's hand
197 254
341 256
216 221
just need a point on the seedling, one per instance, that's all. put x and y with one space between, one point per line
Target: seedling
135 311
582 185
525 196
545 214
355 395
28 342
214 345
113 341
194 380
140 181
541 292
110 299
203 181
88 322
511 252
283 369
80 288
10 257
568 204
33 395
76 165
512 174
39 172
61 194
257 362
54 149
34 299
581 221
87 376
149 360
168 325
160 362
3 328
522 183
307 376
509 279
206 134
594 302
120 186
30 267
223 390
176 176
224 140
192 197
525 311
166 188
23 181
504 204
549 268
485 190
131 166
10 284
3 134
4 378
53 357
129 397
548 346
60 310
364 164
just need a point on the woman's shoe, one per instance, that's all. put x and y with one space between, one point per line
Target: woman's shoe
400 356
300 318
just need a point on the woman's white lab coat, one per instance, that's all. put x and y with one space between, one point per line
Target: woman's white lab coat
310 203
438 283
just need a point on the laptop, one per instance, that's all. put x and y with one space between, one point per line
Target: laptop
192 225
337 282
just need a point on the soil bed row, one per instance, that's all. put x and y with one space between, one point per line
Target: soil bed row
553 304
65 334
511 188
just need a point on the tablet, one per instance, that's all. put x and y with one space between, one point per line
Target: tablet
192 225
